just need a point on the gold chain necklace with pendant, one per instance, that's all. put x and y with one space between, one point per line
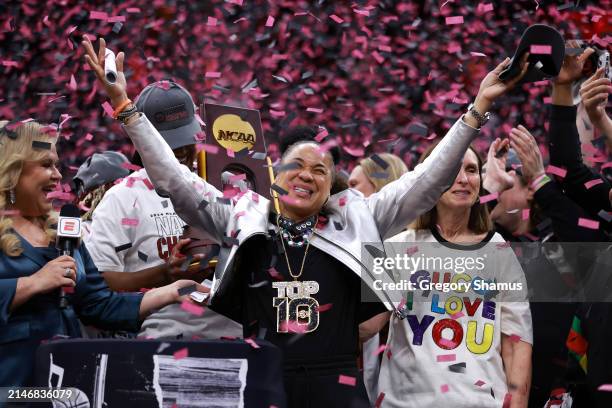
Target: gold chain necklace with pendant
296 310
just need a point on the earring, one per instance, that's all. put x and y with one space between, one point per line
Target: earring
12 196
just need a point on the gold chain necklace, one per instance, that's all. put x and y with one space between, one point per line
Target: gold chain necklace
296 310
295 277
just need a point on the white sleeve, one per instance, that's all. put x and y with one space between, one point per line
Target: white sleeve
194 200
106 234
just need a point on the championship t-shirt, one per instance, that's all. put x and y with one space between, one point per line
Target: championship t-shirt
132 227
314 316
446 352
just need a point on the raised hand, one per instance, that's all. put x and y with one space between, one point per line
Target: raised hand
496 179
528 152
492 87
594 94
571 70
117 92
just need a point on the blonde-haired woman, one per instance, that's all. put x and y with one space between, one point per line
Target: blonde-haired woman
32 273
375 172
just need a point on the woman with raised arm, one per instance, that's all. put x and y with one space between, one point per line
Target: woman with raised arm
32 272
294 278
467 347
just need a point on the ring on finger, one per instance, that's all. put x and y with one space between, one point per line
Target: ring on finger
67 272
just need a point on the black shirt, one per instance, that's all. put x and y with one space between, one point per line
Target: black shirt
338 297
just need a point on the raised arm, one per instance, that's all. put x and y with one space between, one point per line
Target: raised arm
194 200
403 200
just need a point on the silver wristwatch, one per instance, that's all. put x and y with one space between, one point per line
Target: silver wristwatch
480 118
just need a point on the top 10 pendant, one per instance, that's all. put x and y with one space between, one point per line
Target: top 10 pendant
296 310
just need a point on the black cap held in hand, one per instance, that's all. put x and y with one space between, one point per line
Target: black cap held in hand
545 57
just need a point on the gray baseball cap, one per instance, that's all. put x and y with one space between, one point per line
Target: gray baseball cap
100 169
170 108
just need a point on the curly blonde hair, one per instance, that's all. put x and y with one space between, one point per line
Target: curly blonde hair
15 149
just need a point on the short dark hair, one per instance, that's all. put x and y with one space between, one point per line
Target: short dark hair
304 134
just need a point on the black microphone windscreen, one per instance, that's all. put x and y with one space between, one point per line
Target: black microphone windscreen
70 210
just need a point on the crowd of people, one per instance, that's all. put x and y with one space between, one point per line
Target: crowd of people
293 270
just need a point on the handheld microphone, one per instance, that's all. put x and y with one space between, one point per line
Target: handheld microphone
68 237
110 69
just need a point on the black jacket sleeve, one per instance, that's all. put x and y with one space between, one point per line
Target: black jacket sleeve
564 214
564 146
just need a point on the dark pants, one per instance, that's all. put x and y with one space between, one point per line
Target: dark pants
313 383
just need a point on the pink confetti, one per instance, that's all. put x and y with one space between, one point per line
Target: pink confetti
212 74
605 387
477 54
255 197
129 221
252 343
379 400
412 250
211 21
336 19
108 109
212 149
454 20
270 21
325 307
380 349
148 183
230 153
9 63
189 307
321 135
487 7
457 315
180 354
98 15
452 48
89 137
507 400
342 201
314 110
488 197
479 383
590 184
275 274
444 388
133 10
347 380
540 49
116 19
292 326
442 358
9 213
586 223
72 85
525 214
557 171
237 177
447 343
